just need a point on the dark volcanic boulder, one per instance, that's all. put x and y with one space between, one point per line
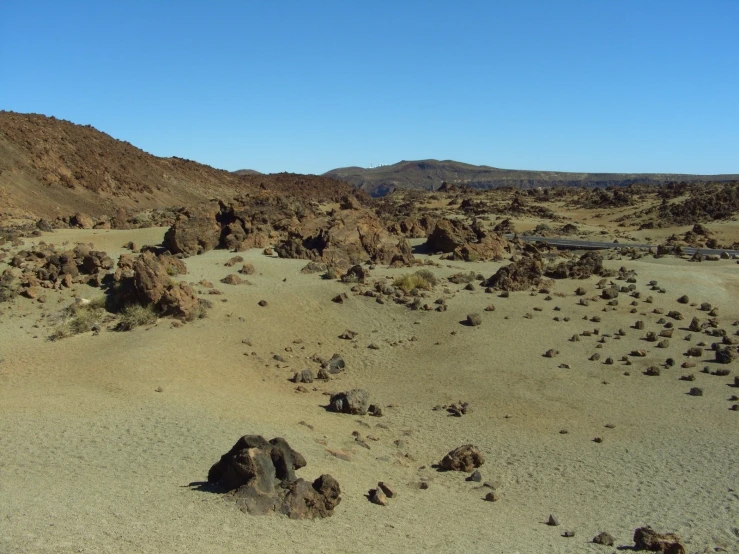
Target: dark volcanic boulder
355 401
587 265
520 275
260 475
463 458
646 538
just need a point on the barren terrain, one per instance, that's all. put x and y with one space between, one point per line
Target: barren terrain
146 326
92 458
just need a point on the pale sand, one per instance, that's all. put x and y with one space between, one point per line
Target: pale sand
92 459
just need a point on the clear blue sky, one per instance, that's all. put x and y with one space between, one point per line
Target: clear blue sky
587 85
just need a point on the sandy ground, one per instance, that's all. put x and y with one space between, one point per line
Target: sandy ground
93 459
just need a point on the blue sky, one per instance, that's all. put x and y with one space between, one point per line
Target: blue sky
587 85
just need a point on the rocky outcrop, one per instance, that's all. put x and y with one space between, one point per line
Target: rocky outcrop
646 538
260 475
45 267
520 275
194 232
347 238
465 242
587 265
146 281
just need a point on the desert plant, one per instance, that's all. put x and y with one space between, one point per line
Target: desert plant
136 315
459 278
79 318
422 279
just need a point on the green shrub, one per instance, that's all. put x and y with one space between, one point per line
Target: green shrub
79 318
136 315
422 279
459 278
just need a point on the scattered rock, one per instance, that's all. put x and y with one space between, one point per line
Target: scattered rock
464 458
474 319
355 402
604 538
646 538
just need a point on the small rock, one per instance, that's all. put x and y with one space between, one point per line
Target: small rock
474 319
604 538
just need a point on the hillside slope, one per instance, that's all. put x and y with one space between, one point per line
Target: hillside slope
430 174
51 167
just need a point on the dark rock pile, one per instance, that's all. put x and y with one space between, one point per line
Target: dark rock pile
260 476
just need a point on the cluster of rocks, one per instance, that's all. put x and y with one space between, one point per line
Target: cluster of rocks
260 476
147 280
343 238
47 267
461 241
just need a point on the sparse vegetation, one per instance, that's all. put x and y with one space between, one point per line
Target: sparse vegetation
459 278
136 315
79 318
422 279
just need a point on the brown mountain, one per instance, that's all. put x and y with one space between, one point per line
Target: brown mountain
430 174
51 167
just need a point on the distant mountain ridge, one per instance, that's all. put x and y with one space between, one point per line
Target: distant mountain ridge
430 174
51 167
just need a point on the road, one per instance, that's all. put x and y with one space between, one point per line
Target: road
594 245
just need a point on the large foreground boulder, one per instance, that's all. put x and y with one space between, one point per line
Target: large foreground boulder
260 475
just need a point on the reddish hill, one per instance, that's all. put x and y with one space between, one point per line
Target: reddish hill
51 167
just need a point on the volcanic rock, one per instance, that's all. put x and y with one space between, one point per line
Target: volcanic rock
464 458
260 475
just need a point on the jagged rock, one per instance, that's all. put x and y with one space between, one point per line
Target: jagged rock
194 232
465 242
520 275
260 475
355 274
149 283
355 401
463 458
335 365
587 265
376 496
646 538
